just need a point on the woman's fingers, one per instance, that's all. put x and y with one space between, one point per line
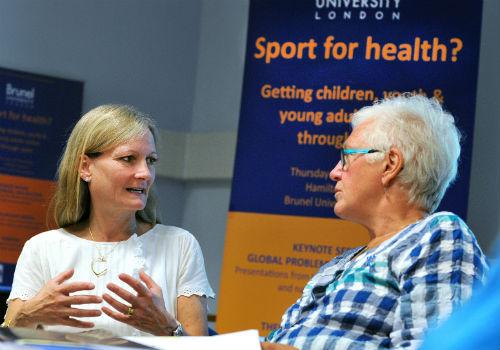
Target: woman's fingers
122 293
135 284
116 315
53 304
119 306
83 299
148 281
76 323
72 287
63 276
76 312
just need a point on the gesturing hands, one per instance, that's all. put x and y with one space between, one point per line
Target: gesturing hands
54 305
146 310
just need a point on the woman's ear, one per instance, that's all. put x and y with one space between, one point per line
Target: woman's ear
393 164
85 173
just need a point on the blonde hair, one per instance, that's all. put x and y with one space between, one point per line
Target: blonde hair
98 130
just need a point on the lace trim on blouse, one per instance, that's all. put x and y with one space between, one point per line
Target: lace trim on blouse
202 292
139 259
23 295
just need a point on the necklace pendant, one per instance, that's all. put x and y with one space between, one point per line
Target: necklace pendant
98 266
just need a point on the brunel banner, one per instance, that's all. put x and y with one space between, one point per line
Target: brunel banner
36 114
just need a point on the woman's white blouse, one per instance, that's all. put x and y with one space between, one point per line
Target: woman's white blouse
170 255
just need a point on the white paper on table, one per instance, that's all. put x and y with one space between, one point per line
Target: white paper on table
244 340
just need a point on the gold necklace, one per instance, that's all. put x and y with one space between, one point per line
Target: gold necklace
99 264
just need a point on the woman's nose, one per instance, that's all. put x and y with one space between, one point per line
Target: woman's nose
336 173
144 171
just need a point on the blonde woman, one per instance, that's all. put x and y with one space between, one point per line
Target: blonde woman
111 264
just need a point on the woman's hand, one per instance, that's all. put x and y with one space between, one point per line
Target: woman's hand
53 305
146 310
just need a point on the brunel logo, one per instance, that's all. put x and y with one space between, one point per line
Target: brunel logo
351 10
19 97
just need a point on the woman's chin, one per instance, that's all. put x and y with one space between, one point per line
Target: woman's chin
136 206
341 212
337 209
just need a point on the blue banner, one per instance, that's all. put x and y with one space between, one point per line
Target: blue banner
311 64
36 116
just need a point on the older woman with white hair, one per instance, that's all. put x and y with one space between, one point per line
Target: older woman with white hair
418 264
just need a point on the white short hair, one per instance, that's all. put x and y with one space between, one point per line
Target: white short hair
427 137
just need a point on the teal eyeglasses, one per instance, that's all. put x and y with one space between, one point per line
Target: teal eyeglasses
344 152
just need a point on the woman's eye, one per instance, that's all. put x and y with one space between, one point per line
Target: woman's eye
127 158
152 160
